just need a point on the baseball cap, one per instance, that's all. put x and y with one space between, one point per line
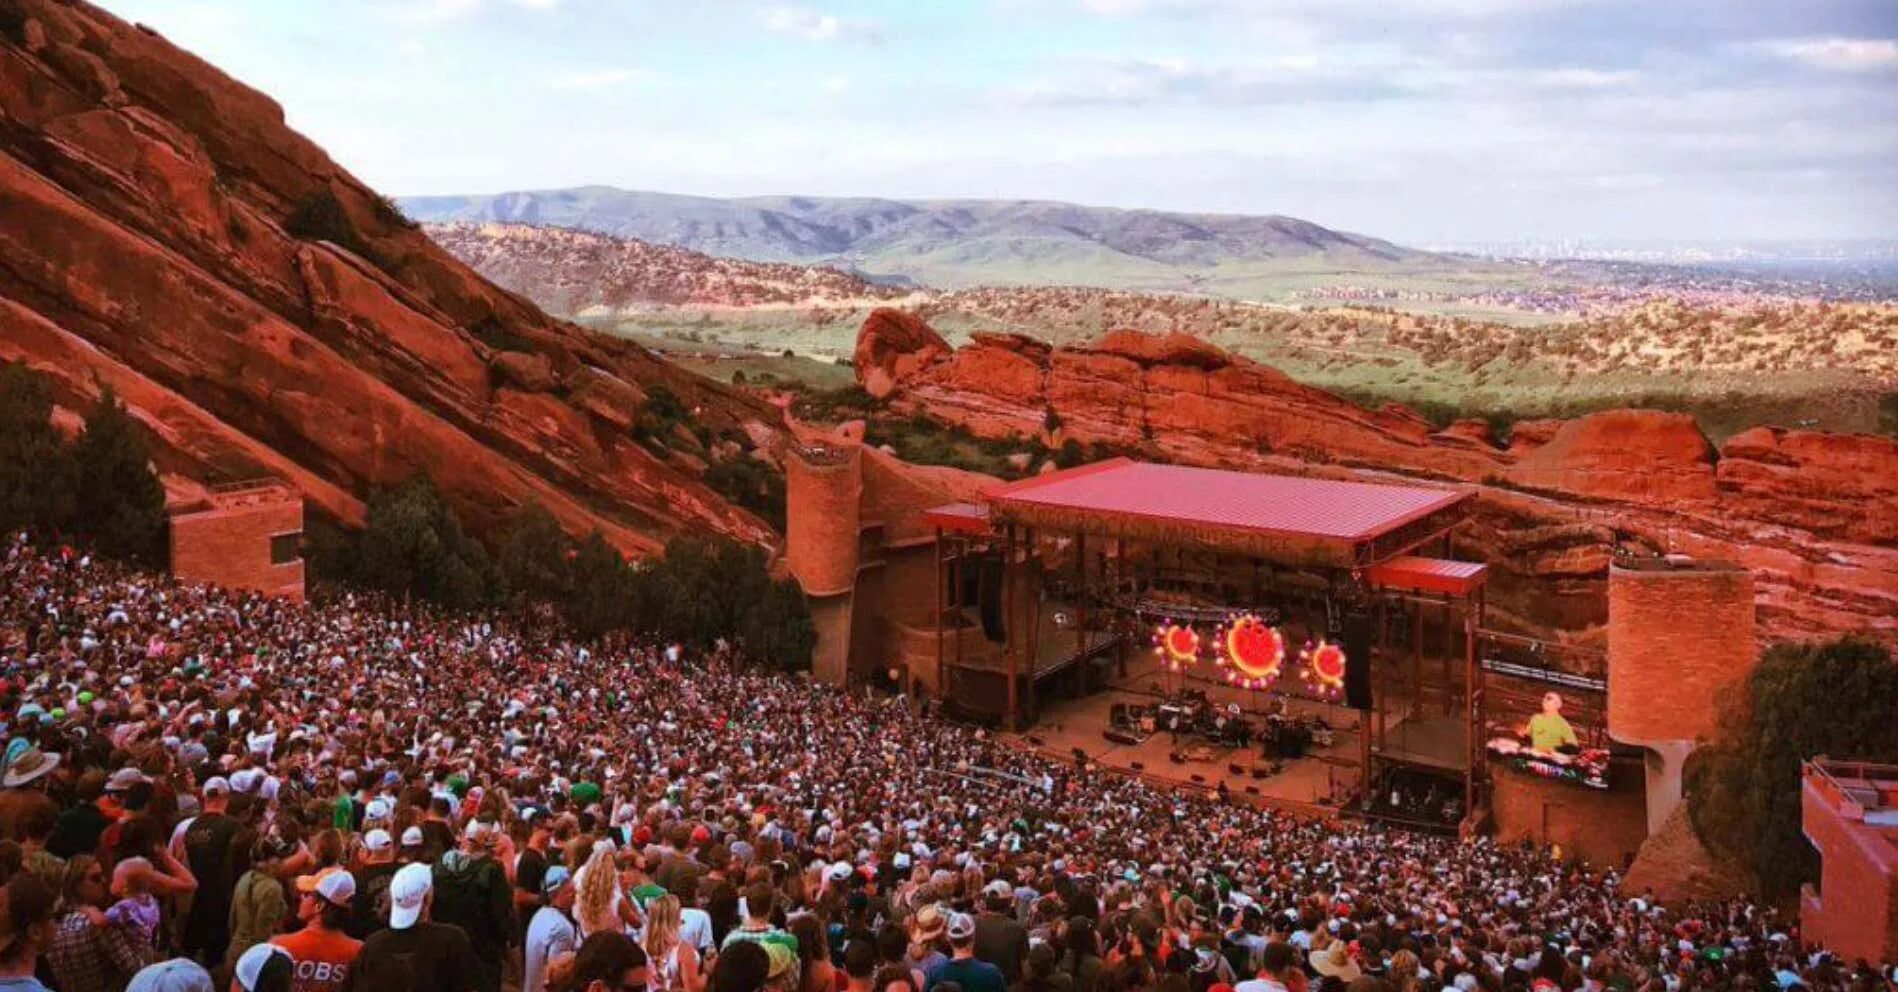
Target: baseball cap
412 837
961 926
377 840
334 885
124 779
176 975
408 890
839 871
999 887
251 966
217 785
556 877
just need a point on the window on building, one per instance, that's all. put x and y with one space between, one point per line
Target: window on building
286 548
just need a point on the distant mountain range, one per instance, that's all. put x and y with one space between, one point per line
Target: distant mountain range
581 273
956 243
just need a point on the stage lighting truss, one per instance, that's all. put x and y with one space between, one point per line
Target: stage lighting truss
1323 669
1178 643
1251 651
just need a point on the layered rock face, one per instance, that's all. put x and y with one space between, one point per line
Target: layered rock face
266 313
1813 515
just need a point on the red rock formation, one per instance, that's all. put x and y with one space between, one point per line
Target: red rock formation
1814 516
894 345
147 244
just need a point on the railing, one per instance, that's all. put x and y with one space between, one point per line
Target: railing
1829 773
245 485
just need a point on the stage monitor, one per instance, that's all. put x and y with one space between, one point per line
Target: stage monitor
1356 641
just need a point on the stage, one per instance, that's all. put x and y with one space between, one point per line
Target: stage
1315 783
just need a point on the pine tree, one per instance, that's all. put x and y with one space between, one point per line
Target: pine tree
119 502
414 545
36 468
534 557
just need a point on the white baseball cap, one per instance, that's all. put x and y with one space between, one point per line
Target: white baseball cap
377 840
250 967
412 837
408 891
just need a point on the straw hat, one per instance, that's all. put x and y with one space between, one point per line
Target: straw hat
928 924
1335 962
31 764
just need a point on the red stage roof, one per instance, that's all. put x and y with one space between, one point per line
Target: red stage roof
1268 504
963 517
1418 574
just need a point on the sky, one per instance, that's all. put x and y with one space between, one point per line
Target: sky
1424 121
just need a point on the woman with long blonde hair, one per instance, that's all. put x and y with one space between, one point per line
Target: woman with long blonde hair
596 905
674 963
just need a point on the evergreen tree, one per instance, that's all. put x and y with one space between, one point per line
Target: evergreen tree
36 469
414 545
1743 790
534 558
601 596
119 503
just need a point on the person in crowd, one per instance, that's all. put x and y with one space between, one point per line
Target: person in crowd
1000 938
263 968
471 891
89 951
259 905
551 934
672 959
26 931
608 961
322 948
963 968
415 954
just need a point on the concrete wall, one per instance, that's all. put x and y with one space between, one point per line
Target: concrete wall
1602 827
823 519
1678 635
229 544
1854 912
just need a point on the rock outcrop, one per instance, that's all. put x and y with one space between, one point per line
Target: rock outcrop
266 313
894 345
1814 515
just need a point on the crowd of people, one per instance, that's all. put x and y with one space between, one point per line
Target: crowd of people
206 789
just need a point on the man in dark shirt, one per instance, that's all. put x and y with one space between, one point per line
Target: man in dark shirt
969 973
207 844
413 954
372 884
530 866
471 891
1000 939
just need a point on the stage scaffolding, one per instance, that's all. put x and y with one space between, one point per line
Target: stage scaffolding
1084 542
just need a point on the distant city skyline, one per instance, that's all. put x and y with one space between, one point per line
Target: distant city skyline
1422 121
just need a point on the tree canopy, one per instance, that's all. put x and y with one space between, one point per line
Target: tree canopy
98 490
1803 700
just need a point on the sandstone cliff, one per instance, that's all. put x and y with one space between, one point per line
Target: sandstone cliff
266 313
1814 515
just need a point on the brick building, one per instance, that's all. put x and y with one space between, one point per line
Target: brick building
245 535
1849 811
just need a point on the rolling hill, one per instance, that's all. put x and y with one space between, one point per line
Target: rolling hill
957 243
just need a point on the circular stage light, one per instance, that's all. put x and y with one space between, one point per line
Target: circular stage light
1178 644
1324 668
1253 652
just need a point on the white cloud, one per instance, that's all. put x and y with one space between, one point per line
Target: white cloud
1584 79
413 49
807 23
836 84
1837 54
433 11
594 79
538 4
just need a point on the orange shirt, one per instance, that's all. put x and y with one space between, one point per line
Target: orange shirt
323 958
